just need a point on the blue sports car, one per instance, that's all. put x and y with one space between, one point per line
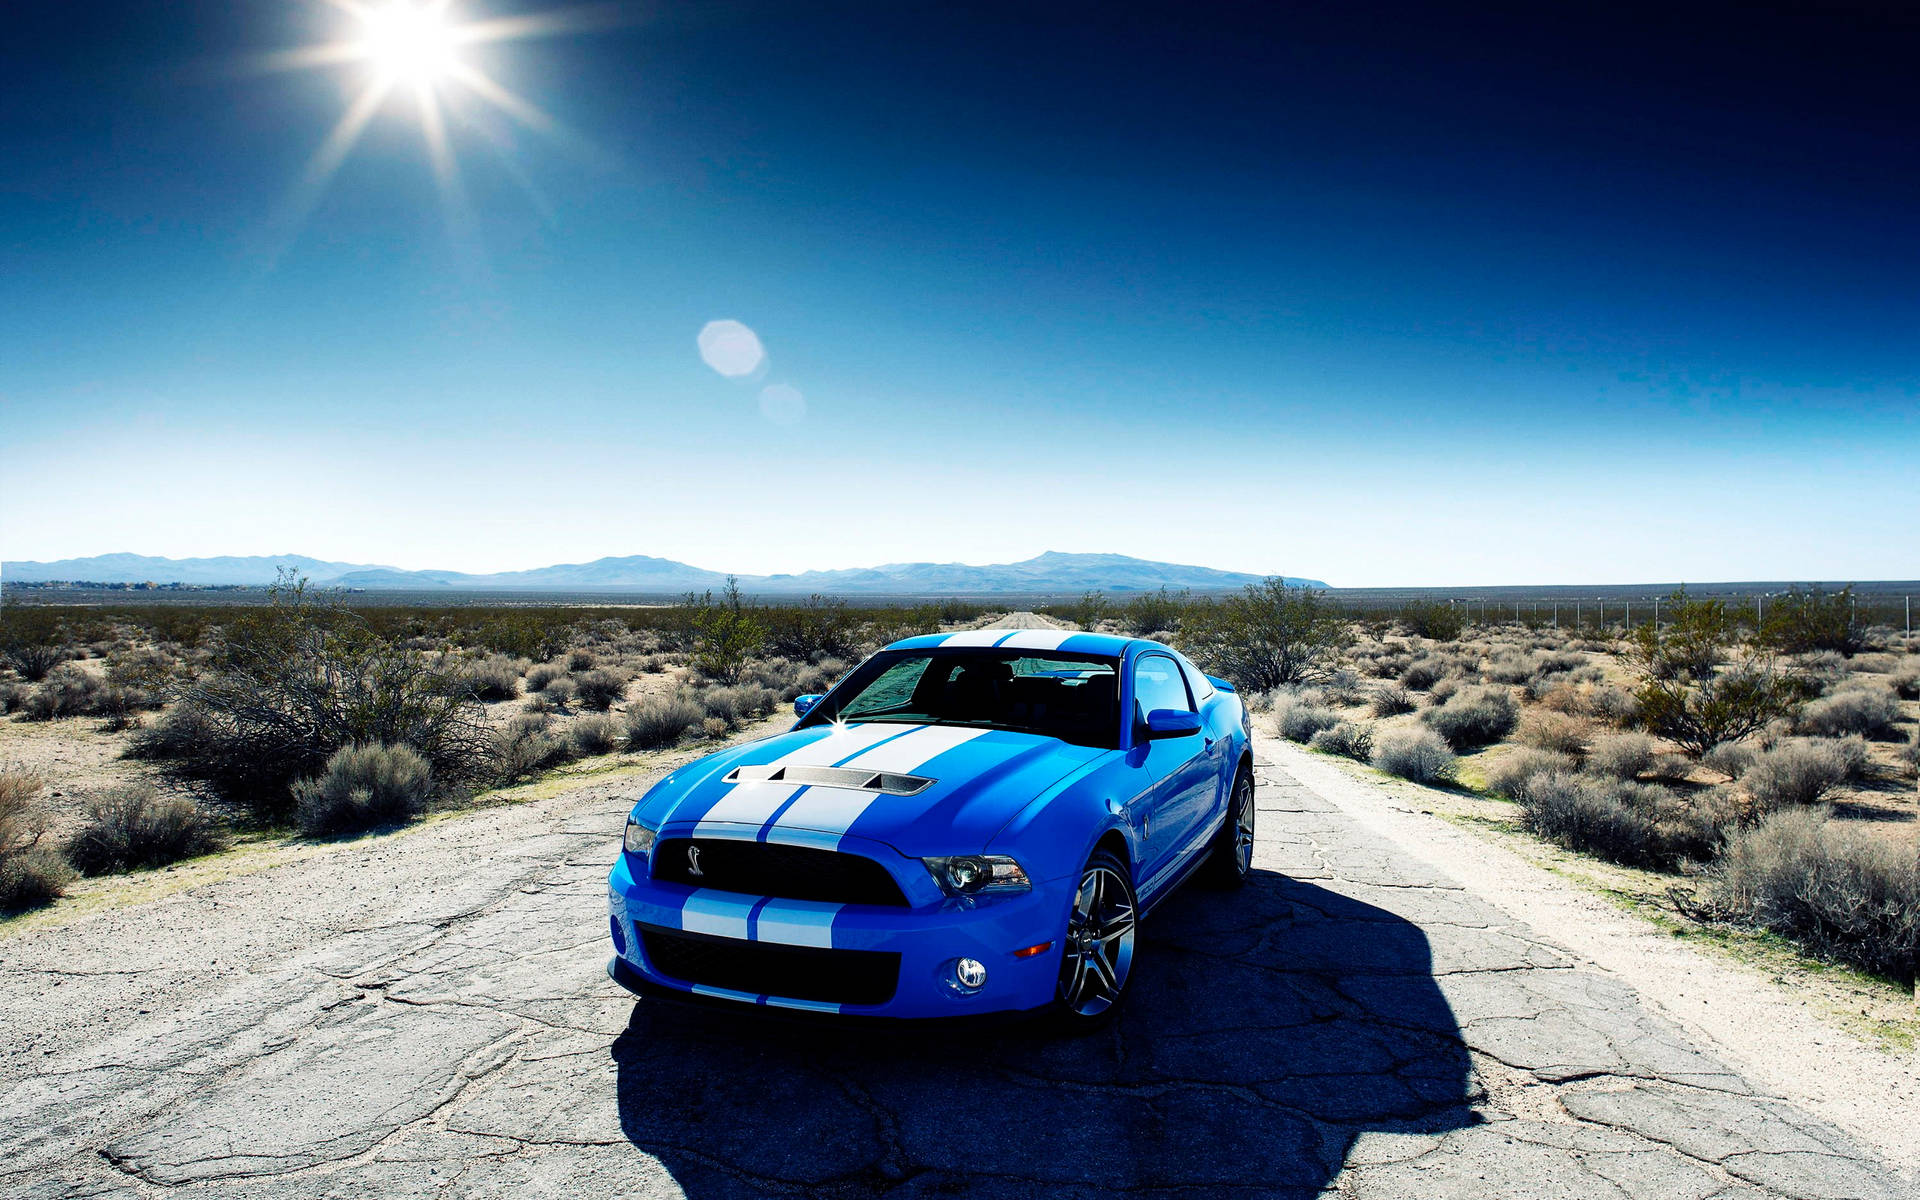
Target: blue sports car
968 823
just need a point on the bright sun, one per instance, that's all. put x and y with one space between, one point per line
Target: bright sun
408 42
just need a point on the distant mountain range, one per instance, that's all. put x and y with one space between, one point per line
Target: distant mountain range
1050 572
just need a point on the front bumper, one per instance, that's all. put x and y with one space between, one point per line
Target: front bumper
927 938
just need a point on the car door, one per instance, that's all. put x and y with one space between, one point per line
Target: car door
1178 770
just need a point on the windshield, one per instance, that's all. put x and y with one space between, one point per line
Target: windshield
1071 697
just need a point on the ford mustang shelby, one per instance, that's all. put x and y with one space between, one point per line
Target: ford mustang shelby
967 823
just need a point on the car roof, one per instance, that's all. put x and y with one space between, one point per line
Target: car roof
1064 641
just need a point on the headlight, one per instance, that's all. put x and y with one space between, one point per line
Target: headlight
978 874
638 839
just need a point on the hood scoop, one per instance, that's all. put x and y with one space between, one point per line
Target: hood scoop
890 782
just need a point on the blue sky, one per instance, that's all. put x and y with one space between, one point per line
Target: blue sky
1388 296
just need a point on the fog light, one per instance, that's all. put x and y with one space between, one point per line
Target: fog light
971 972
619 936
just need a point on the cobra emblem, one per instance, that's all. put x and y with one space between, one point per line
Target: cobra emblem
693 862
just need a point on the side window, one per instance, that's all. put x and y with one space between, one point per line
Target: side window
1202 690
1157 683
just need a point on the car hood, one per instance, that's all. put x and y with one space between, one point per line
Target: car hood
978 780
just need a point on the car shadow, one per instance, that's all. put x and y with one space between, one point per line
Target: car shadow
1267 1030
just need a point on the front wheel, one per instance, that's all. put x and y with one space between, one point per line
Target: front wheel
1097 960
1231 858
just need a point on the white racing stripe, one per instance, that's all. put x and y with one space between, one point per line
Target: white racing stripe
721 914
972 637
751 803
796 923
1038 639
832 810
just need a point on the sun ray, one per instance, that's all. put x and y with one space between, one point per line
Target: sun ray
520 110
585 18
321 167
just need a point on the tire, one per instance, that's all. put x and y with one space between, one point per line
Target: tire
1230 860
1096 962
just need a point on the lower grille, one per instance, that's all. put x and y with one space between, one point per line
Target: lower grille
765 969
784 872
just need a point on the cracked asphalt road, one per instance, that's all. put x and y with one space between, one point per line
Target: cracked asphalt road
428 1015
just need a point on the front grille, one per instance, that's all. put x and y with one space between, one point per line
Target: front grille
785 872
765 969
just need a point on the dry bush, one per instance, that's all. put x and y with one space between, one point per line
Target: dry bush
1267 636
1838 892
599 690
1732 759
1622 755
1342 688
1555 731
1473 717
1392 700
1423 674
1910 754
739 704
31 874
580 660
133 827
1796 773
363 785
1564 697
1614 704
1513 666
1298 718
1414 753
1635 824
527 744
540 675
493 678
1348 739
1515 775
66 692
1906 680
33 653
715 727
1871 710
661 720
598 734
13 696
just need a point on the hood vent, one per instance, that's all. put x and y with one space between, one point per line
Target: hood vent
890 782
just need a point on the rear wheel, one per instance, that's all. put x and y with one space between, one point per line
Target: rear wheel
1097 960
1231 859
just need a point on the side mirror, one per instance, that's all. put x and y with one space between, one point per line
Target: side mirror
802 705
1171 722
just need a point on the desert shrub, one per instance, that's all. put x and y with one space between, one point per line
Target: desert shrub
1514 775
725 634
1691 644
597 734
1266 637
1905 681
715 727
580 660
1393 700
1870 711
1342 688
13 696
1474 717
1444 690
661 720
301 678
1153 612
1635 824
1725 706
495 677
31 874
363 785
1838 892
1732 759
815 680
1804 620
542 675
1298 718
1432 619
1414 753
527 744
599 690
132 827
1796 773
1613 704
147 669
66 692
1385 664
1674 768
1348 739
1910 753
816 626
1558 732
1621 755
1423 674
1513 666
31 648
